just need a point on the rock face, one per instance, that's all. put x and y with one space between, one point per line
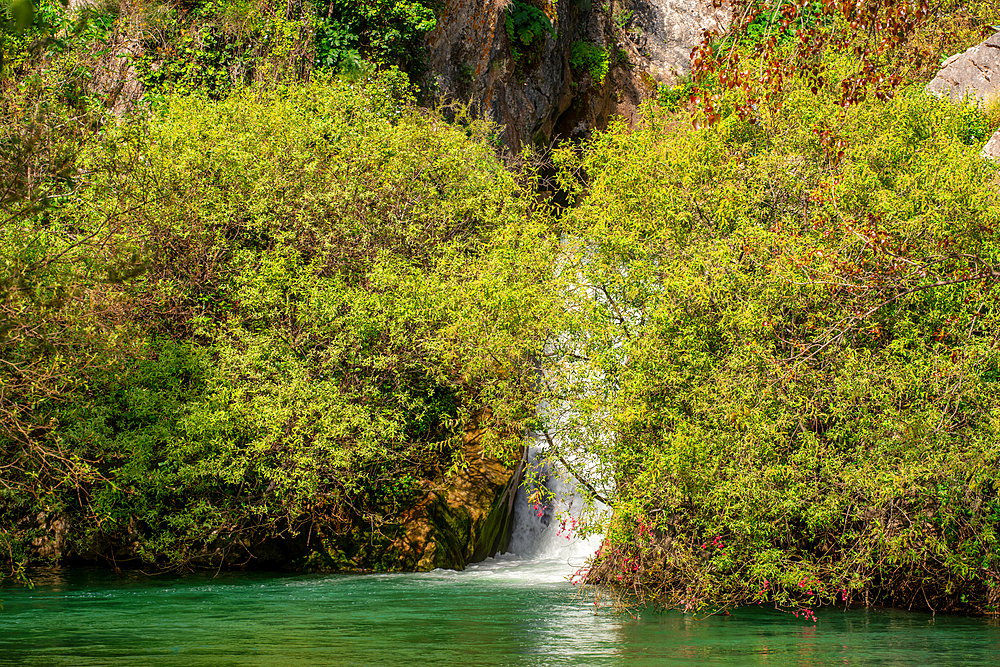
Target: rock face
667 30
541 96
471 60
463 522
52 543
992 147
975 73
455 520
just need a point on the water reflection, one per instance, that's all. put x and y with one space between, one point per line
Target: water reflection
765 637
505 612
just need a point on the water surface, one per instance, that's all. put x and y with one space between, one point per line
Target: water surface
502 612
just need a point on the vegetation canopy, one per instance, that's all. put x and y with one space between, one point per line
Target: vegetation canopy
327 285
782 361
259 304
769 44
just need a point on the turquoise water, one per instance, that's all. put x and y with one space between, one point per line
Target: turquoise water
505 612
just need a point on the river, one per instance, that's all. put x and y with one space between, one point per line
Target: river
502 612
512 610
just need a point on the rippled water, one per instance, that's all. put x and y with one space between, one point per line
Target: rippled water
506 611
502 612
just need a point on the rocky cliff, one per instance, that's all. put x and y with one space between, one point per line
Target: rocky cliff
546 92
973 76
595 59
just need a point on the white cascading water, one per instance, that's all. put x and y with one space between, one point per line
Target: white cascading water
544 522
544 547
544 538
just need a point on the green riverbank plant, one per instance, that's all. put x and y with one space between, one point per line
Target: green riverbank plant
328 284
783 361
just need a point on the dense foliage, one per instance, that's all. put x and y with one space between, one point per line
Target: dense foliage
380 29
590 58
783 362
212 46
297 301
770 43
262 298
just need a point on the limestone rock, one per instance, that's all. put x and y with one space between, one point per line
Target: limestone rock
667 30
992 147
464 520
454 520
647 42
115 76
470 57
975 73
52 543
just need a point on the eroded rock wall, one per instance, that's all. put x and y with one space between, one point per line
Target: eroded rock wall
647 42
456 519
470 58
668 30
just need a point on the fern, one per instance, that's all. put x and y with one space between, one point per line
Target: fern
592 58
527 25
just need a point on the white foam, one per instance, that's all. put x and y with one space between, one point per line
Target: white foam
543 529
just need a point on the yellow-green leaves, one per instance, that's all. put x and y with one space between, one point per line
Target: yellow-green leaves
783 367
23 13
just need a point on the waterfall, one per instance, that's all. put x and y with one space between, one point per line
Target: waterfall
544 550
543 526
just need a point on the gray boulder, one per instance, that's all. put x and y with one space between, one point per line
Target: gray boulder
992 147
975 73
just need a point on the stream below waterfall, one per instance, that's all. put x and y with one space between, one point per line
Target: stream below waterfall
512 610
502 612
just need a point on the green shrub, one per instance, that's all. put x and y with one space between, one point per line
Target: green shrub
382 31
527 24
526 27
590 58
622 18
335 283
211 46
674 98
976 125
785 386
767 21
